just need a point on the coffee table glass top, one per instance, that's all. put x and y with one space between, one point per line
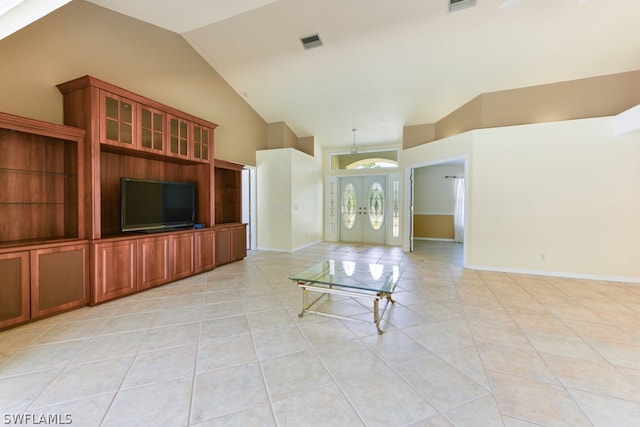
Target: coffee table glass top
350 274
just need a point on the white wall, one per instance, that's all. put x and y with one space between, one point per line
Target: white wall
273 191
307 205
289 199
433 193
559 198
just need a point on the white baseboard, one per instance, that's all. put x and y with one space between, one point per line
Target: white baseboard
632 280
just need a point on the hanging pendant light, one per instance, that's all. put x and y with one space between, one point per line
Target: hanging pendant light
354 148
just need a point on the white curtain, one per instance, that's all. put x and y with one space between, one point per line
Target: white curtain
458 214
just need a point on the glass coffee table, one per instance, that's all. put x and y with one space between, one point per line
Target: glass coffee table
356 280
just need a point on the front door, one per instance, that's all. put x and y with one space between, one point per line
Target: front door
363 209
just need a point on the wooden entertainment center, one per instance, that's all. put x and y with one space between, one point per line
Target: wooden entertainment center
61 245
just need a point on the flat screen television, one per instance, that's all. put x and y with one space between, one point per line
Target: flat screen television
147 205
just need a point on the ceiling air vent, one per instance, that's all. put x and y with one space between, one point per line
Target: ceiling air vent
455 5
311 41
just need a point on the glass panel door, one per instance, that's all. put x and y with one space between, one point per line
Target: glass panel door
362 209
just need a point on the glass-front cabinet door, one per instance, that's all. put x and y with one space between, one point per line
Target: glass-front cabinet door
117 120
178 137
152 124
201 137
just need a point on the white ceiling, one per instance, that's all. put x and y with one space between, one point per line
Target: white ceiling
386 64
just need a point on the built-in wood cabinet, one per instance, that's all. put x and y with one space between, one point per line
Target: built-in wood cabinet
132 136
59 278
205 245
15 291
43 251
231 243
153 261
182 255
152 129
228 192
41 280
114 269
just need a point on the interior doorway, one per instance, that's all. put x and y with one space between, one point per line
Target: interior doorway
437 202
363 209
248 203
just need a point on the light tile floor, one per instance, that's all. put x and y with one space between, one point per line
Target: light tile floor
461 347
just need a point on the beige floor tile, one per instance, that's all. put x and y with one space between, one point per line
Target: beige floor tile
278 342
564 345
435 421
326 406
160 365
86 380
325 332
554 350
128 322
350 358
396 347
536 402
171 336
71 331
260 416
369 394
224 327
111 346
625 355
516 361
440 383
225 391
604 411
500 334
82 412
271 319
467 360
481 412
21 336
178 316
442 337
225 352
294 373
42 357
599 332
593 377
18 392
159 404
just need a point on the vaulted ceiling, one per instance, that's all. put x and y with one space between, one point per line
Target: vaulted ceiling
387 64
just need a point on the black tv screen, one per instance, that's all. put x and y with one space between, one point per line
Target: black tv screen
156 205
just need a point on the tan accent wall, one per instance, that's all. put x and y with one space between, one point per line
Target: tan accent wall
417 135
307 145
465 118
433 226
82 38
600 96
279 135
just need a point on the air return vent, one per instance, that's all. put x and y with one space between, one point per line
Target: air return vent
455 5
311 41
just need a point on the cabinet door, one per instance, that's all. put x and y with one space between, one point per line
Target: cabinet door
153 262
205 250
59 279
223 246
179 138
182 255
238 242
117 120
14 288
115 270
201 143
152 129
